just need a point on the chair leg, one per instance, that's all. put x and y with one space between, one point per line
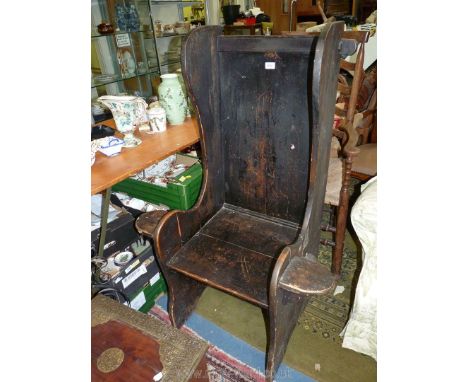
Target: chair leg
183 296
283 313
342 215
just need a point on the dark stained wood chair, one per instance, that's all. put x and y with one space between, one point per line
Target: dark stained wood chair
265 107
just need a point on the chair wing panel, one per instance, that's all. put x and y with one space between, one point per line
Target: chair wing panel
200 71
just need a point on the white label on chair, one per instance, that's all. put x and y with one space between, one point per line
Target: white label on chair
270 65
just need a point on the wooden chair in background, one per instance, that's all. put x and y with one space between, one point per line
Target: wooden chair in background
364 136
343 157
265 136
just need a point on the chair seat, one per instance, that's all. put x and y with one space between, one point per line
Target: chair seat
366 161
334 181
235 252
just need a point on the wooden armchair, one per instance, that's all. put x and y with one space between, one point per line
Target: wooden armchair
265 136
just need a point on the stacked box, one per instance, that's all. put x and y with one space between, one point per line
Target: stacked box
140 280
180 195
120 233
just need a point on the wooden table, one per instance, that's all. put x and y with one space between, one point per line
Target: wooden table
107 171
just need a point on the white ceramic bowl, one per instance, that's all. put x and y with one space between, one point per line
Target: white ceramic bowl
123 258
111 146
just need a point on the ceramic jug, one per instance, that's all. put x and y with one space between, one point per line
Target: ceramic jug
128 113
172 99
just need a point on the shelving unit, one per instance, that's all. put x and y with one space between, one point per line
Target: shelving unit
131 59
124 61
170 12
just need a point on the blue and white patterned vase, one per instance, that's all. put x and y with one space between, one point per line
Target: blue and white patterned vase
121 16
133 20
172 99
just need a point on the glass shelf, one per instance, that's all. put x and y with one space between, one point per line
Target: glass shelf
117 78
172 35
162 2
95 35
170 62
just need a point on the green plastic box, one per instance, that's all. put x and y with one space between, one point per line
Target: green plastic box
181 195
149 293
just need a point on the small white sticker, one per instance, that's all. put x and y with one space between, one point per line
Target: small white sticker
270 65
155 278
138 301
134 275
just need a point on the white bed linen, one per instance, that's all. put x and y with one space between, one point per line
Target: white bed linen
360 333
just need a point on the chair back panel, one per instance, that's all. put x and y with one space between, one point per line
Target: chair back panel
266 124
262 130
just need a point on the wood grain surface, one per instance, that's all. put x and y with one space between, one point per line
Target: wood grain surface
108 171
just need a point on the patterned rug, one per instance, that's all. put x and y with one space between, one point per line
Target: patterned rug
326 315
221 366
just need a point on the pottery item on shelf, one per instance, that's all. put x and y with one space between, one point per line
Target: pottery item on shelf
121 16
157 118
169 28
158 28
129 63
128 113
172 99
133 20
105 28
127 17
